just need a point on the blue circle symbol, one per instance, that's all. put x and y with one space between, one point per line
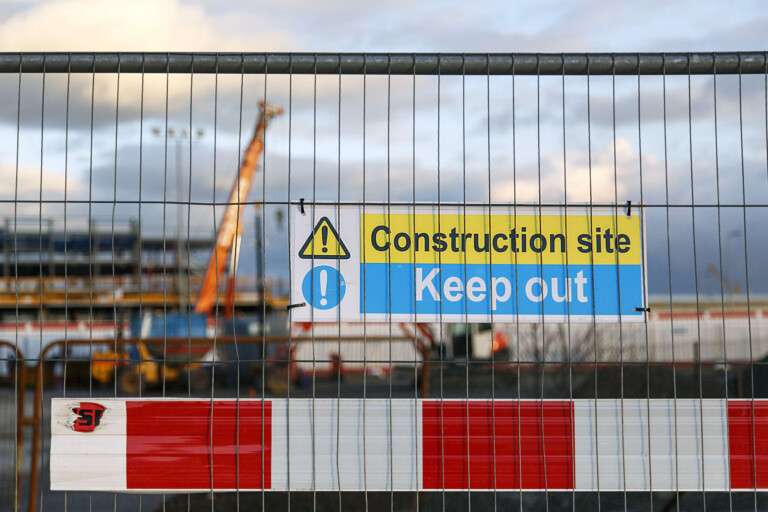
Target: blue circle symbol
323 287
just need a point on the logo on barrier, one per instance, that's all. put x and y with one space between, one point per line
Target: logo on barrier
88 416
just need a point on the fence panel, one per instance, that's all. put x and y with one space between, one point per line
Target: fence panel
415 281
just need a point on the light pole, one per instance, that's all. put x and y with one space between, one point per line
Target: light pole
729 288
179 136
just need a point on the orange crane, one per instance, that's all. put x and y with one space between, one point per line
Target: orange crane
228 238
229 233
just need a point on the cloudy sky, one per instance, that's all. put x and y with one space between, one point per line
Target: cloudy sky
337 25
381 141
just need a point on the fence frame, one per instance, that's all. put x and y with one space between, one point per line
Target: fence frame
578 64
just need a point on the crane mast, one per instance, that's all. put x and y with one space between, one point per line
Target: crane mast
230 229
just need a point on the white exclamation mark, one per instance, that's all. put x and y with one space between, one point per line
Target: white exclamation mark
323 287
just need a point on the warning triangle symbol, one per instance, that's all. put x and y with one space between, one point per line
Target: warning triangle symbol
324 243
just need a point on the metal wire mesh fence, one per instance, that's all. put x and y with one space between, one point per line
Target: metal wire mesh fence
203 315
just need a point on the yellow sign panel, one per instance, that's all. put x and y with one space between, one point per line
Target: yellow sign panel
599 239
324 243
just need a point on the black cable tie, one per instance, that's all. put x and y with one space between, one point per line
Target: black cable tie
641 310
297 305
629 208
301 206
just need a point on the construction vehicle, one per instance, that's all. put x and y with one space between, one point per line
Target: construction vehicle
149 367
477 341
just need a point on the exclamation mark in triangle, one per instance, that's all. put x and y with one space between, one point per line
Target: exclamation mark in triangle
324 243
324 232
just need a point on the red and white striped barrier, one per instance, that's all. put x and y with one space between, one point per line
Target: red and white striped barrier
174 445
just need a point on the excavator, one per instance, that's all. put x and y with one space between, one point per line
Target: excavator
148 367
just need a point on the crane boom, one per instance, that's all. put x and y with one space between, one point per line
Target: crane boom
230 225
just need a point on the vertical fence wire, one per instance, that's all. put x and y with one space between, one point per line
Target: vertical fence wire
66 284
260 273
463 216
670 285
90 248
424 383
139 228
440 304
517 295
40 251
720 249
540 261
643 217
696 291
214 233
746 284
494 445
390 456
569 355
291 299
112 242
590 224
15 252
615 224
364 292
337 218
313 416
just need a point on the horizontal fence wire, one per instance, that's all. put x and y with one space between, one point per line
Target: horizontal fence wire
166 337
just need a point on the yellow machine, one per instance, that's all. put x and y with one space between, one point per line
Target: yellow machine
106 363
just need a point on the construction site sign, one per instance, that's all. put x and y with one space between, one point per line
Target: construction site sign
467 264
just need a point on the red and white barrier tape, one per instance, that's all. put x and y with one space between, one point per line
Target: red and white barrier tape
173 445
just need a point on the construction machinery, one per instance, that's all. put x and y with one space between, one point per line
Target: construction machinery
149 368
230 229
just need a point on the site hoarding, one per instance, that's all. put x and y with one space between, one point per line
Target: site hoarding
455 263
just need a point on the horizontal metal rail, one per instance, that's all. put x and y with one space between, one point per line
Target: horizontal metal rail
755 62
